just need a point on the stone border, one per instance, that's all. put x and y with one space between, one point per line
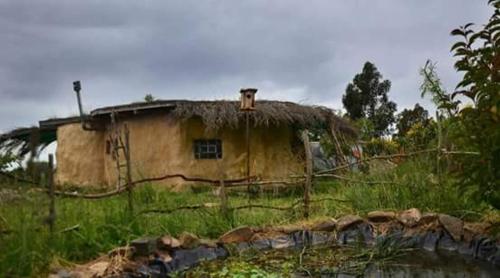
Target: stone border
156 257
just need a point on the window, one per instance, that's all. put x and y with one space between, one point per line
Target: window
208 149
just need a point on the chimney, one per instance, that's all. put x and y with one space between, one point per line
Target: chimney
77 87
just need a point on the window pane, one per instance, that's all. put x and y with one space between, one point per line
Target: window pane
207 149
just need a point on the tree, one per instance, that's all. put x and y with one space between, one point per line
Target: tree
409 117
478 54
366 97
149 98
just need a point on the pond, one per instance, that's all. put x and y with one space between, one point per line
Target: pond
346 262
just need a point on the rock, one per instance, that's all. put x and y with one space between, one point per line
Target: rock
162 256
144 246
324 225
348 221
454 226
168 242
410 217
237 235
472 230
387 228
288 229
208 243
428 218
189 240
381 216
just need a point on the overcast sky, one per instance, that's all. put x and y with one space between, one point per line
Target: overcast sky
303 51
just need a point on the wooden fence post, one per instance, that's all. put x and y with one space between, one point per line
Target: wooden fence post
309 170
223 197
438 152
50 183
129 174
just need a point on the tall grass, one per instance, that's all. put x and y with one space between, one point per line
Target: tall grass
29 250
415 185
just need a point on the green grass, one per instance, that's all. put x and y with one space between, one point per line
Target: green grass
104 224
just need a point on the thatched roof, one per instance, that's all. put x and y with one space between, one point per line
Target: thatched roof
221 113
214 114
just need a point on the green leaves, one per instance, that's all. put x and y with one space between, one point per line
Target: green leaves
478 55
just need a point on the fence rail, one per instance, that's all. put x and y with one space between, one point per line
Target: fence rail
222 184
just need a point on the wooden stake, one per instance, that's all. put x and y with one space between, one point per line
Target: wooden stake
223 198
50 184
129 174
309 171
247 137
336 142
438 153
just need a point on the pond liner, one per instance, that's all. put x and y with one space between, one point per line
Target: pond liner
481 248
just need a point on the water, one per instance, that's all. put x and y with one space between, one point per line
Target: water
420 264
345 262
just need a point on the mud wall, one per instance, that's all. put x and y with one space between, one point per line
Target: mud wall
79 156
162 145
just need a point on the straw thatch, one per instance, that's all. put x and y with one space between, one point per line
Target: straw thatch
217 114
225 113
214 114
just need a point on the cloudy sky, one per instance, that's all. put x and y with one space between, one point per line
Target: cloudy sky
303 51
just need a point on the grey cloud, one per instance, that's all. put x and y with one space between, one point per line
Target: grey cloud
303 51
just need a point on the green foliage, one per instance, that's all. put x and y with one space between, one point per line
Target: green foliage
149 98
414 186
380 146
27 249
366 97
6 161
432 86
420 136
478 54
410 117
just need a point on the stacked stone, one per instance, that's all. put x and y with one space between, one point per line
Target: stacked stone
156 257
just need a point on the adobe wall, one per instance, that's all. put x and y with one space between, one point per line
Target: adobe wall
79 156
162 145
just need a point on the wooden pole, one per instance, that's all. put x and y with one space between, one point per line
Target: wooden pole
50 184
438 153
129 170
247 136
338 147
309 170
223 198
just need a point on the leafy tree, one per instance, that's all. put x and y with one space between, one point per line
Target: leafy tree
478 54
149 98
366 97
410 117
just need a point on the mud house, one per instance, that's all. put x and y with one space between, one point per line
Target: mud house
193 138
